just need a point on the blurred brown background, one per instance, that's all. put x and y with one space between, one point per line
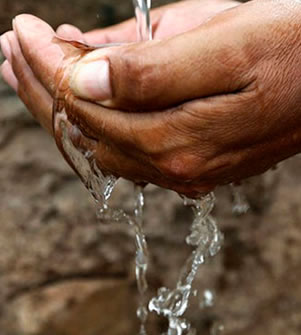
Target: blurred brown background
64 273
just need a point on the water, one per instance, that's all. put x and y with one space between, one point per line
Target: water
206 239
204 236
101 187
144 27
208 299
141 259
144 33
240 203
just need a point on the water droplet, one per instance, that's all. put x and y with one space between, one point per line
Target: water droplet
208 299
240 203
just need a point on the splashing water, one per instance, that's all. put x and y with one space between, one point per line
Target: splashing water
101 187
204 235
207 240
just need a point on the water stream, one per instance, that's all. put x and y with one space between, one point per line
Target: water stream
205 237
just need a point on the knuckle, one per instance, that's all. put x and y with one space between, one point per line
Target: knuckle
139 76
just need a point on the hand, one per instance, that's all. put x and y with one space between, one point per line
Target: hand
166 21
32 74
211 106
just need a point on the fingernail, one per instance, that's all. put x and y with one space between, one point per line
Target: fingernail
5 47
92 80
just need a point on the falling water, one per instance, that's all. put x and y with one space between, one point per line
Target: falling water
144 27
206 239
204 236
144 33
101 187
141 260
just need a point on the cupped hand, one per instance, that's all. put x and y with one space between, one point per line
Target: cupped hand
33 60
214 105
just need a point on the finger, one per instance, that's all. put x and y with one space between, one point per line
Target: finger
120 33
5 47
30 90
163 20
122 164
41 53
8 75
71 32
124 32
113 160
131 144
158 74
189 15
124 129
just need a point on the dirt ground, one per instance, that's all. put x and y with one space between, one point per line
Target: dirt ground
64 273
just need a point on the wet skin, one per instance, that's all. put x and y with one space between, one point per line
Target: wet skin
216 104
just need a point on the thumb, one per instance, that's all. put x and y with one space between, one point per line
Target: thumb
158 74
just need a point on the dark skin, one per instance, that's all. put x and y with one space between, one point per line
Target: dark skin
213 105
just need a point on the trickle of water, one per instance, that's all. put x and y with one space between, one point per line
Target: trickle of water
144 27
144 33
207 240
99 185
141 259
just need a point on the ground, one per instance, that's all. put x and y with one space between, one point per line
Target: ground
62 272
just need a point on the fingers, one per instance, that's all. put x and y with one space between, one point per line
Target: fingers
188 15
5 47
41 53
30 90
68 31
114 157
6 69
125 32
8 75
120 163
120 33
118 158
158 74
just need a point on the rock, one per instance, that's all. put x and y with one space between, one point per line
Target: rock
79 307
